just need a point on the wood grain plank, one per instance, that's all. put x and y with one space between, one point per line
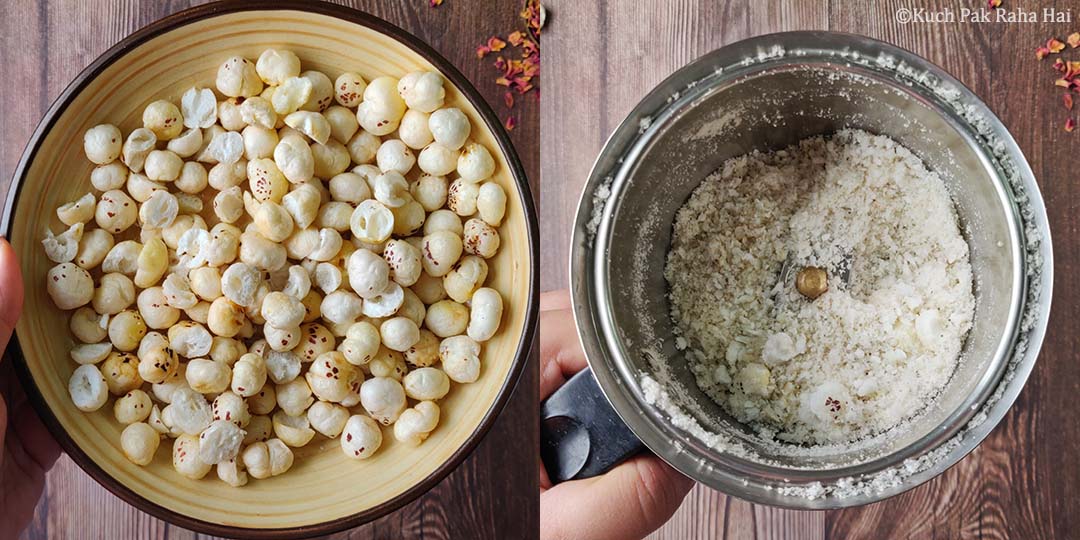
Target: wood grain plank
47 43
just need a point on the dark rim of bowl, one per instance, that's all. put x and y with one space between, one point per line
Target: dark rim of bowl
448 70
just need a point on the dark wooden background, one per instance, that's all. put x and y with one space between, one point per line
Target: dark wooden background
601 57
47 43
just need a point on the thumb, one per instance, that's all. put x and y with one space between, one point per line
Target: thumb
11 291
628 502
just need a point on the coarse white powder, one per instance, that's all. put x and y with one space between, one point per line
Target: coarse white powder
872 351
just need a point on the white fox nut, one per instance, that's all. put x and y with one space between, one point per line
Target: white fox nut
327 277
438 159
425 352
331 376
399 333
391 189
290 95
274 66
80 210
190 339
109 176
385 303
259 143
142 188
88 326
441 251
475 163
90 353
264 402
322 91
116 211
249 375
426 383
139 143
186 457
121 372
485 314
341 307
282 311
237 76
312 124
126 329
328 247
157 361
177 291
159 210
193 178
282 366
302 203
220 442
294 431
343 124
189 412
349 187
231 408
162 166
102 143
227 350
349 89
122 258
139 442
327 418
468 275
232 472
186 144
87 388
315 339
281 339
450 127
430 191
408 218
114 294
394 155
404 262
422 90
155 310
443 220
256 459
260 428
361 343
361 437
163 391
460 358
152 263
281 457
294 397
491 203
207 376
415 424
293 157
480 238
383 398
369 274
155 421
199 108
205 282
371 222
363 146
461 197
64 247
298 284
164 119
266 181
224 245
240 282
273 222
447 318
258 112
414 131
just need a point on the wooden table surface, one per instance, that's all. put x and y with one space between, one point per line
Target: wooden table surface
601 57
493 493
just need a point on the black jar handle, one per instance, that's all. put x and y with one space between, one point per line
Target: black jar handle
581 435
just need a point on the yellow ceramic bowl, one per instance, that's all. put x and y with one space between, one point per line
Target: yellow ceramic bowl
324 491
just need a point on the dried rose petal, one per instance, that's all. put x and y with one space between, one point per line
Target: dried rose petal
1055 45
1040 53
508 98
515 38
1074 39
496 44
1064 83
993 4
1059 65
1070 124
1067 98
435 3
510 123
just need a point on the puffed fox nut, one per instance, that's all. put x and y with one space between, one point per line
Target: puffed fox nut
294 397
232 472
132 407
361 437
186 457
485 313
69 286
220 441
416 423
383 398
327 418
102 143
207 376
294 431
231 408
87 388
139 441
460 357
426 384
249 375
